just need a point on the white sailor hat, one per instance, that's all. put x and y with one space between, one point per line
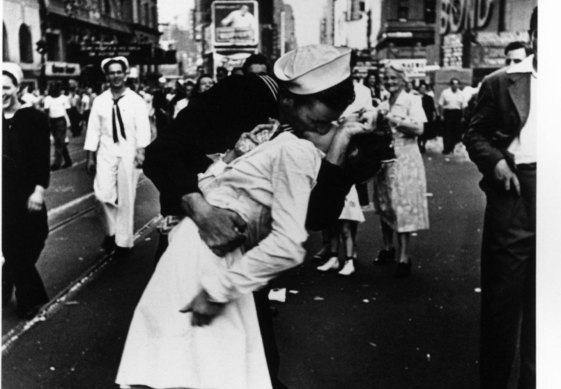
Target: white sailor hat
313 68
14 70
108 61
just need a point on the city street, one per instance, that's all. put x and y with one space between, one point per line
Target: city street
368 330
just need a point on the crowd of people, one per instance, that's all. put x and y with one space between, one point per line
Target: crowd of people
293 146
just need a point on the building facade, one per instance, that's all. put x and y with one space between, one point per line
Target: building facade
72 36
474 33
408 30
20 32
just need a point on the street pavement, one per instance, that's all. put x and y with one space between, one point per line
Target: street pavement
365 331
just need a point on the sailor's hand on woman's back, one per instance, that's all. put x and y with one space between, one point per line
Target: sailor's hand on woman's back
222 230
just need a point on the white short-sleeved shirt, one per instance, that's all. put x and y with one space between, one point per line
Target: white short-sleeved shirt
57 106
452 100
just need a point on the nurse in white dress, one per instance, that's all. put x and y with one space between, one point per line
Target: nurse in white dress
269 187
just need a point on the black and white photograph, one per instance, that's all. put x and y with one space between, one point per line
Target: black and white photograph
280 194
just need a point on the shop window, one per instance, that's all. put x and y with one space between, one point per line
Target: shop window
25 44
403 10
5 51
430 11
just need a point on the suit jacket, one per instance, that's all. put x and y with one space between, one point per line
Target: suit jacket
502 108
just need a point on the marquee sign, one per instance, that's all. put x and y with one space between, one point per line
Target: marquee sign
455 14
95 52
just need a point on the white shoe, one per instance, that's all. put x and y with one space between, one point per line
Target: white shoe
348 269
331 264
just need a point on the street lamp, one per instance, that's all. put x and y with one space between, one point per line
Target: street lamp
42 43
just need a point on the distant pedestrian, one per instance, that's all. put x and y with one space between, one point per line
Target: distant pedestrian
56 105
452 103
501 141
221 73
29 96
180 101
371 82
86 100
429 107
25 177
344 230
400 187
74 113
204 83
256 64
118 131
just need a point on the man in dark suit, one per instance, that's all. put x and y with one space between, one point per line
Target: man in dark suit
501 140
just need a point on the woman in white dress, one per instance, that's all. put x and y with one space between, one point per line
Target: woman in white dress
170 343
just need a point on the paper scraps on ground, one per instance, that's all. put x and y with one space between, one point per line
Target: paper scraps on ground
277 294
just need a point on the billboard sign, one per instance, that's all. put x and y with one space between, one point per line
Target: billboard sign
236 23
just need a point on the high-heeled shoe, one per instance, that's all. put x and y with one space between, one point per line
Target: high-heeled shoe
384 256
348 267
403 270
331 264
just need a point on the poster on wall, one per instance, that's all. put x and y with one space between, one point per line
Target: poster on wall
236 23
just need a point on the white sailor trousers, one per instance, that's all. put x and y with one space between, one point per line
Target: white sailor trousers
115 189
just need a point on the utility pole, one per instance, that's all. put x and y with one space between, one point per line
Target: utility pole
42 43
467 34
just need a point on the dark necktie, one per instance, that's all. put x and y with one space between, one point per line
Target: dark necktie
117 113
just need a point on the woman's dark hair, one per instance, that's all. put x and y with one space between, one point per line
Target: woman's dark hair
253 59
55 89
338 97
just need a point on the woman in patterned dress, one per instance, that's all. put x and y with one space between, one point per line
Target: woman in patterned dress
400 187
